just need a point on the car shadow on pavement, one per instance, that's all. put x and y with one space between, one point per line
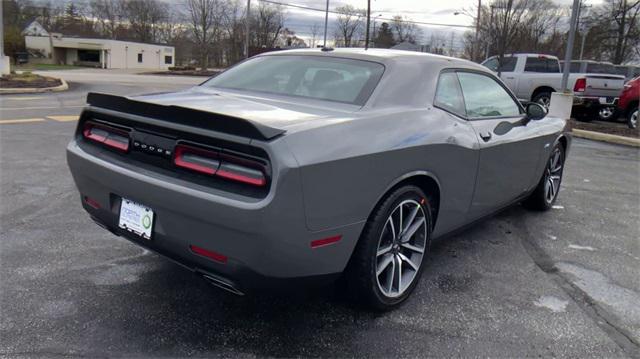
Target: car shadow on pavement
170 309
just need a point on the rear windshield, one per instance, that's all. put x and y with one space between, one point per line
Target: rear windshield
601 69
324 78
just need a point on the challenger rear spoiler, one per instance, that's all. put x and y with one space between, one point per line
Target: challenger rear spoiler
184 115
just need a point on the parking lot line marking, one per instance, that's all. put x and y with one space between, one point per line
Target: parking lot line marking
22 120
39 108
64 118
24 98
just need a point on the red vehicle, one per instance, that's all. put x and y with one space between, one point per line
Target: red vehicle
628 103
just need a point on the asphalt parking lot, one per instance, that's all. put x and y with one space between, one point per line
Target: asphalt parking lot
559 283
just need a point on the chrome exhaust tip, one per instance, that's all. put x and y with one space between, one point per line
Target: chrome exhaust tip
222 284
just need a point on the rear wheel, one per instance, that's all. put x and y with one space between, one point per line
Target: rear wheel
387 262
546 193
543 98
606 113
632 120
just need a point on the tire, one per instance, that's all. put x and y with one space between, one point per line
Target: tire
632 118
543 98
606 113
371 277
584 114
541 199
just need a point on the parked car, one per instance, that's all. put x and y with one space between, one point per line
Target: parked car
533 77
21 58
590 67
301 166
628 71
628 104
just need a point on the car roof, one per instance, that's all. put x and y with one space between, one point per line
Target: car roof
378 55
527 54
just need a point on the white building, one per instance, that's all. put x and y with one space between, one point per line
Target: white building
102 53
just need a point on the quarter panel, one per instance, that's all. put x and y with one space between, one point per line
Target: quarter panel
347 167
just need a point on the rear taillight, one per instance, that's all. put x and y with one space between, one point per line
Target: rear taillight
196 159
241 170
580 86
211 162
109 136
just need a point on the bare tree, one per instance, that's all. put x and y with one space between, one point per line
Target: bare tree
144 16
614 30
403 30
233 24
514 26
268 22
108 14
315 31
349 24
205 17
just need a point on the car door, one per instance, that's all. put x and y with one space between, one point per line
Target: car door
509 146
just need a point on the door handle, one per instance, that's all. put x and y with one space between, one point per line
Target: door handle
510 77
486 136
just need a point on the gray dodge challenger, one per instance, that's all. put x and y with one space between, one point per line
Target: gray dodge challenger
306 166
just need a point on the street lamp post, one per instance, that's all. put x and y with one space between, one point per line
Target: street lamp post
326 20
366 40
569 52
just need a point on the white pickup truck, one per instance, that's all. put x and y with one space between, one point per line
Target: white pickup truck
533 77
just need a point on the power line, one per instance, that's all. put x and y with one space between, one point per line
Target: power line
381 18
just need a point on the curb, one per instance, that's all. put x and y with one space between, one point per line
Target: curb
11 91
598 136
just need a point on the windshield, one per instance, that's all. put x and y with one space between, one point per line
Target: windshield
318 77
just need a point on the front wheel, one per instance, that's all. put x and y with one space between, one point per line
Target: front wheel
632 120
546 193
388 260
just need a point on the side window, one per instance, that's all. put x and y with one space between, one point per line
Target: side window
508 64
448 94
541 64
484 97
491 64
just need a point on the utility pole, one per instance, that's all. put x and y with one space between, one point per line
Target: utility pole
5 66
476 46
366 41
326 20
247 21
569 52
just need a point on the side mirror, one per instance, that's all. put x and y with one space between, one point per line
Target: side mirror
535 111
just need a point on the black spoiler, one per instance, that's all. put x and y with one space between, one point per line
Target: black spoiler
187 116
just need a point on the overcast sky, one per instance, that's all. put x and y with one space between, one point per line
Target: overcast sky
430 11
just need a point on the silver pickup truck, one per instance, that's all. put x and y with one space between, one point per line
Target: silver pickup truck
533 77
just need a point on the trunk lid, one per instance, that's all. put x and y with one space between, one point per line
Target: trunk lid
603 85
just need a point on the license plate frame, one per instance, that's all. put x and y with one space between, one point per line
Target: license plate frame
136 218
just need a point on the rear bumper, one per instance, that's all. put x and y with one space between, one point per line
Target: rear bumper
266 241
595 102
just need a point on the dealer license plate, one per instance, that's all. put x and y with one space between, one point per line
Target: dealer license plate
136 218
